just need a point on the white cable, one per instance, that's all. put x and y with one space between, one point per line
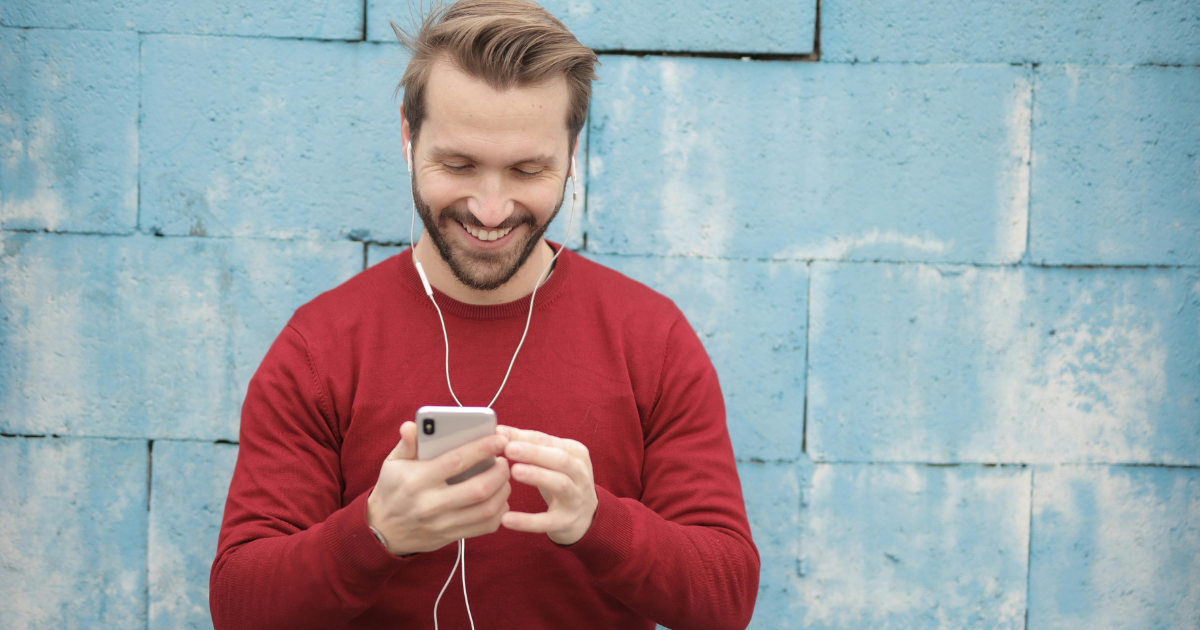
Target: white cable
462 552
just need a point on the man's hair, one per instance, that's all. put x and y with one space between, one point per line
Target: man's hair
505 43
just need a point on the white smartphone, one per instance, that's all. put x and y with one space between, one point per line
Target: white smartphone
442 429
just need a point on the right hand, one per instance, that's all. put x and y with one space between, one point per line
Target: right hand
416 510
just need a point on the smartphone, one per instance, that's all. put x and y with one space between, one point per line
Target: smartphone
442 429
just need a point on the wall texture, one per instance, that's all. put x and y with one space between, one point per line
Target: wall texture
945 256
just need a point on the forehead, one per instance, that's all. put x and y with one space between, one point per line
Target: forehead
459 106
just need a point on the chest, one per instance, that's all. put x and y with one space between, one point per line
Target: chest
559 385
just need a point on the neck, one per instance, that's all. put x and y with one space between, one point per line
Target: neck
517 287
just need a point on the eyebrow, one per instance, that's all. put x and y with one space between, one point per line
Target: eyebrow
443 153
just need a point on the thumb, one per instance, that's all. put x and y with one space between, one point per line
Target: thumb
407 447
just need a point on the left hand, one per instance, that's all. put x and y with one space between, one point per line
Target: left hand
562 471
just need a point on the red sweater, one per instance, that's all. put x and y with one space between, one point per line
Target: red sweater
608 362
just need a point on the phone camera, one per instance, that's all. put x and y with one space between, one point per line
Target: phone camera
427 426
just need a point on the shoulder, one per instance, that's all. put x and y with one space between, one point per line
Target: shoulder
623 296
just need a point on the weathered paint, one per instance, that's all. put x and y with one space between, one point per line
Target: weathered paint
906 546
1001 364
725 158
1096 31
744 26
1115 547
68 130
187 502
277 138
318 19
144 336
72 533
1116 174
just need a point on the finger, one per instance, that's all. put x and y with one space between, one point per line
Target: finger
556 484
476 490
406 448
549 457
487 512
533 523
545 439
461 459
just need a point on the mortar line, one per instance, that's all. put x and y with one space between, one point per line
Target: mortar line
817 34
1029 546
364 22
137 215
1028 257
807 348
149 494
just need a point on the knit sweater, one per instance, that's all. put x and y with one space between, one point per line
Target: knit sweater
608 362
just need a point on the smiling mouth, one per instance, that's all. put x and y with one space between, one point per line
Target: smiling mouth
484 234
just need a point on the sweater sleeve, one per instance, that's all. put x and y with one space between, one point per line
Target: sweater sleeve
290 554
682 555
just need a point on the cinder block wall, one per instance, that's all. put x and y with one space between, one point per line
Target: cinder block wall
945 256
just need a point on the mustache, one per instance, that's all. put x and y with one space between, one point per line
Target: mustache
458 212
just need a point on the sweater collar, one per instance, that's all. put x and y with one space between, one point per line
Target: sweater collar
517 308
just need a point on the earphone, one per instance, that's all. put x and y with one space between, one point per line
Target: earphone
461 559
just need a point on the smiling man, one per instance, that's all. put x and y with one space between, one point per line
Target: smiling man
613 501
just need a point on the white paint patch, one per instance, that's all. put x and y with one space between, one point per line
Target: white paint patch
693 198
844 248
1012 191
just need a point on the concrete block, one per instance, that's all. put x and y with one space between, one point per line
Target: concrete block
756 26
379 253
68 130
1115 164
970 364
914 547
1115 547
269 137
72 533
727 158
146 337
189 483
318 19
773 496
1079 31
751 317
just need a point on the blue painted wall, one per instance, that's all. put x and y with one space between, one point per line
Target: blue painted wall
945 256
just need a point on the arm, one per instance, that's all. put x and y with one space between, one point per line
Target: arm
290 555
682 555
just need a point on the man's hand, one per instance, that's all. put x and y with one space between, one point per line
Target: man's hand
416 510
562 471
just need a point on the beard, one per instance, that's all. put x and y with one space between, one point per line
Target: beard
481 270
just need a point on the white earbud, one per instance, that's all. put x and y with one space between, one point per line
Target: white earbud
408 151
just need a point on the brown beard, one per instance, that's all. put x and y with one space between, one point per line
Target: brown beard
482 271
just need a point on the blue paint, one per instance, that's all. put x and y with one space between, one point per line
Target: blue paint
1114 547
187 503
74 526
725 158
1099 32
913 546
1115 171
977 364
147 337
749 315
757 26
772 492
283 138
327 19
68 130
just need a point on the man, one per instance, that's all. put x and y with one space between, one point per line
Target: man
613 501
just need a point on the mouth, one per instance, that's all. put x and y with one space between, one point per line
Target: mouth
485 235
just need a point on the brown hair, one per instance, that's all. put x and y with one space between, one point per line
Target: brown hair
506 43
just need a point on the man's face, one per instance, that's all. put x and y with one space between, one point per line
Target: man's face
489 169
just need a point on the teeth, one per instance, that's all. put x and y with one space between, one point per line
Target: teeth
486 235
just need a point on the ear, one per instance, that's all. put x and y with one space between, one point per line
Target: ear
405 135
575 155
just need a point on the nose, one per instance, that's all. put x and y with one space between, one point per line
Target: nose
491 204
